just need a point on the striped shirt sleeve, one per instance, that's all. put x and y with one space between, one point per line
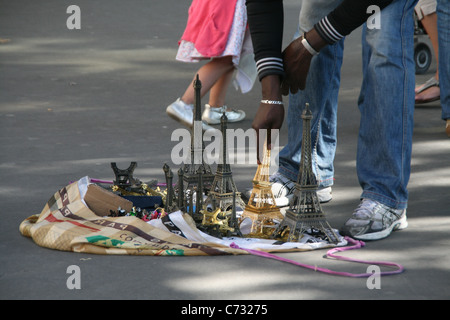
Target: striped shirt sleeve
327 31
265 18
348 16
269 66
266 21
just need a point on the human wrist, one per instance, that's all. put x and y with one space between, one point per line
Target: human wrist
308 47
271 88
314 40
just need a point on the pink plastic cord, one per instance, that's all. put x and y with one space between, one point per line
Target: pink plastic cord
356 244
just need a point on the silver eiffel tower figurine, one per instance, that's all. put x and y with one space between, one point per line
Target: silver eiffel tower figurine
223 186
305 215
196 173
196 161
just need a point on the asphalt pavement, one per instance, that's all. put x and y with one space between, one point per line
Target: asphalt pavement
74 100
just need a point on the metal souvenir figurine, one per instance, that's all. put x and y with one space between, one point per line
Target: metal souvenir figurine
170 205
305 215
261 207
196 161
223 187
196 168
124 177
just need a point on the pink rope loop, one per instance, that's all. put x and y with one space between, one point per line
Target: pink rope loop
356 244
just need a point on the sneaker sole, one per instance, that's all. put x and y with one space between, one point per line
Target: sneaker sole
209 121
238 119
212 121
175 117
400 224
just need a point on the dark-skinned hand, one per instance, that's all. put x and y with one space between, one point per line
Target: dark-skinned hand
268 116
297 60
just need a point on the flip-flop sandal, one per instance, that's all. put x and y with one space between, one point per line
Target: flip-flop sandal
432 82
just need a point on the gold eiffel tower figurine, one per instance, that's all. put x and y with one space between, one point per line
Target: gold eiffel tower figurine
261 207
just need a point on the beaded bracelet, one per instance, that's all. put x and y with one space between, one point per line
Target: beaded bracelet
271 102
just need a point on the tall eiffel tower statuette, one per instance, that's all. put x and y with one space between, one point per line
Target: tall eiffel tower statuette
196 166
223 186
169 205
261 207
305 213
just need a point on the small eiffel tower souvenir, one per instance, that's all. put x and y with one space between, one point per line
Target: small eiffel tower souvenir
305 214
261 207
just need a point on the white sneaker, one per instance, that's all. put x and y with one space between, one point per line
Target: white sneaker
213 115
372 220
184 113
283 190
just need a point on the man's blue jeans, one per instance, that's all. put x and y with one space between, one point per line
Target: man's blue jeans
386 104
443 14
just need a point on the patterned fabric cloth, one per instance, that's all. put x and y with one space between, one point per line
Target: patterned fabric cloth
67 223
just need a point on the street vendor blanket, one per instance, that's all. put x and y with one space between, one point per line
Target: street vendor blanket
67 223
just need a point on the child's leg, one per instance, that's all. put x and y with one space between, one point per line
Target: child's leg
209 74
219 90
214 109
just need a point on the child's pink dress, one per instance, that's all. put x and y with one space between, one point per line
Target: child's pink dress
215 28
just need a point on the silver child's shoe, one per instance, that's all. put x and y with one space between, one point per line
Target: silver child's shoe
213 115
372 220
184 113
